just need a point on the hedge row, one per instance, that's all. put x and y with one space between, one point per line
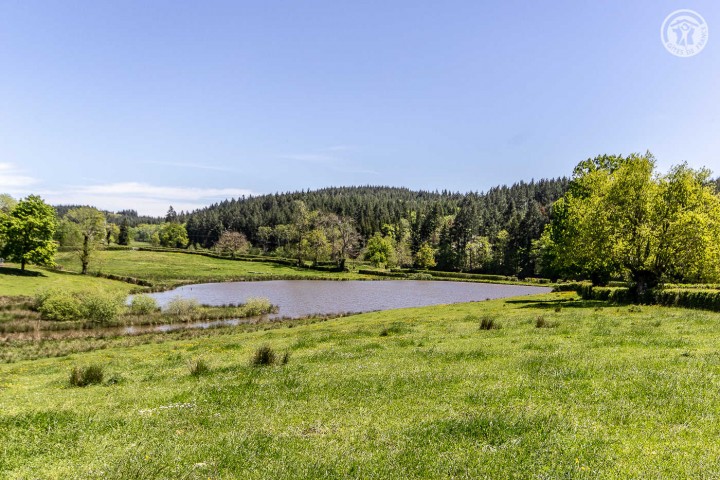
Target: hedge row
706 299
678 297
608 294
379 273
570 286
463 275
132 280
690 286
245 258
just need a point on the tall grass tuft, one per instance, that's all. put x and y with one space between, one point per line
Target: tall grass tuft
489 323
264 355
84 376
198 367
541 322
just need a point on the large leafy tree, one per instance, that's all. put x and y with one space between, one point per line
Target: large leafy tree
232 243
7 203
28 231
620 217
125 234
172 235
89 223
380 251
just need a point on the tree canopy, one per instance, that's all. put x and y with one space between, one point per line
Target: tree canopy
620 218
89 225
28 230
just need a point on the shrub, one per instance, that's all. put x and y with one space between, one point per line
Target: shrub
198 367
257 306
143 305
285 358
264 355
84 376
58 305
488 323
101 307
182 306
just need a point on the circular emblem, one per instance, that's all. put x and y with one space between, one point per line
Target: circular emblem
684 33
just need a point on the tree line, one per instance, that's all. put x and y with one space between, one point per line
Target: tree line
615 218
491 232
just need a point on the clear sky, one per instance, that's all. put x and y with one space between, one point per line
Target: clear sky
143 104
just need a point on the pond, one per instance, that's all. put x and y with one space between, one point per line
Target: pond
298 298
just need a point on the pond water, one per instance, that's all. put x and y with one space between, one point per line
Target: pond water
297 298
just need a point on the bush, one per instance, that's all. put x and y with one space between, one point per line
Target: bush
489 323
257 306
84 376
143 305
58 305
101 307
182 306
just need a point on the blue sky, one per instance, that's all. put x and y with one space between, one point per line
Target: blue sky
144 104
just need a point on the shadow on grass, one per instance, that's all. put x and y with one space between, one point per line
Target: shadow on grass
565 303
16 272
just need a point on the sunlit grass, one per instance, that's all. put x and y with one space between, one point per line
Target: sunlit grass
166 268
607 393
13 282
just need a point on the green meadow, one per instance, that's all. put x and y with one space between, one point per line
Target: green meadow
167 269
15 283
554 388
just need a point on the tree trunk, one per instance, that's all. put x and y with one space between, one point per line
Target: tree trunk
22 264
644 282
85 254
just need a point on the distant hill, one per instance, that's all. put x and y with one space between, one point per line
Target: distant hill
114 217
521 209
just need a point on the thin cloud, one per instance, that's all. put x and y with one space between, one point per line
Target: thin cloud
146 199
12 179
339 148
198 166
330 160
311 158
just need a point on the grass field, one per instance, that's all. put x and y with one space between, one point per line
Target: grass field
13 282
613 392
166 269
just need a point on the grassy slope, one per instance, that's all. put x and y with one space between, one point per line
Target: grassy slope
12 282
608 393
165 268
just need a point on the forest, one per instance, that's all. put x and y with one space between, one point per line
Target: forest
490 232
